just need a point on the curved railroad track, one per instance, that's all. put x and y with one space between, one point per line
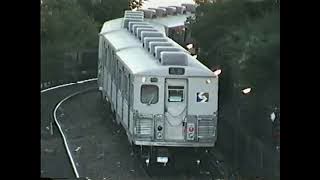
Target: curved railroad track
85 141
54 158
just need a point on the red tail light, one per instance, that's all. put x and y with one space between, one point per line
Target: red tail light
191 129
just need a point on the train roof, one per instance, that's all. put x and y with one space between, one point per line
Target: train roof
170 21
120 38
129 49
141 62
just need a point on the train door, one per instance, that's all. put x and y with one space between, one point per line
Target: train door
110 73
175 108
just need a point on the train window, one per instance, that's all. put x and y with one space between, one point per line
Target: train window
112 69
112 65
115 71
119 78
149 94
106 58
125 81
121 87
175 94
124 84
109 61
131 93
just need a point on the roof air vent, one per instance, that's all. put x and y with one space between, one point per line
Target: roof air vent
145 34
190 7
146 29
127 20
160 12
136 26
155 9
174 58
180 9
131 24
147 40
149 13
159 49
169 10
134 15
131 11
128 12
154 44
137 16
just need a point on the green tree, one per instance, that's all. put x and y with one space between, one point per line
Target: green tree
133 4
104 10
65 28
243 39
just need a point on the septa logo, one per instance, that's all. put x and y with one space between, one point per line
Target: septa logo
202 97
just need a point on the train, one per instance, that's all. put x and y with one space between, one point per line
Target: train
162 96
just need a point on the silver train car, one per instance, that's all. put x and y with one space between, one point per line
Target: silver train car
162 96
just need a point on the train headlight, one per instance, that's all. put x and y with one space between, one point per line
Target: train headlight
143 79
159 135
159 127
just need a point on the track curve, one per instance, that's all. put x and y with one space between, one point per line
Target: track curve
54 159
95 147
61 132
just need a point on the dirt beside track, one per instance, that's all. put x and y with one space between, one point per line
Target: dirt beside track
54 159
100 148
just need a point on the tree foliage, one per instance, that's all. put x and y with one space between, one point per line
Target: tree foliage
133 4
243 39
65 28
104 10
71 26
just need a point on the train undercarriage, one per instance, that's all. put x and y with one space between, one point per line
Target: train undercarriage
180 158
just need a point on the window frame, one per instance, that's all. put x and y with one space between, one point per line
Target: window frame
119 76
125 85
141 90
131 91
177 90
